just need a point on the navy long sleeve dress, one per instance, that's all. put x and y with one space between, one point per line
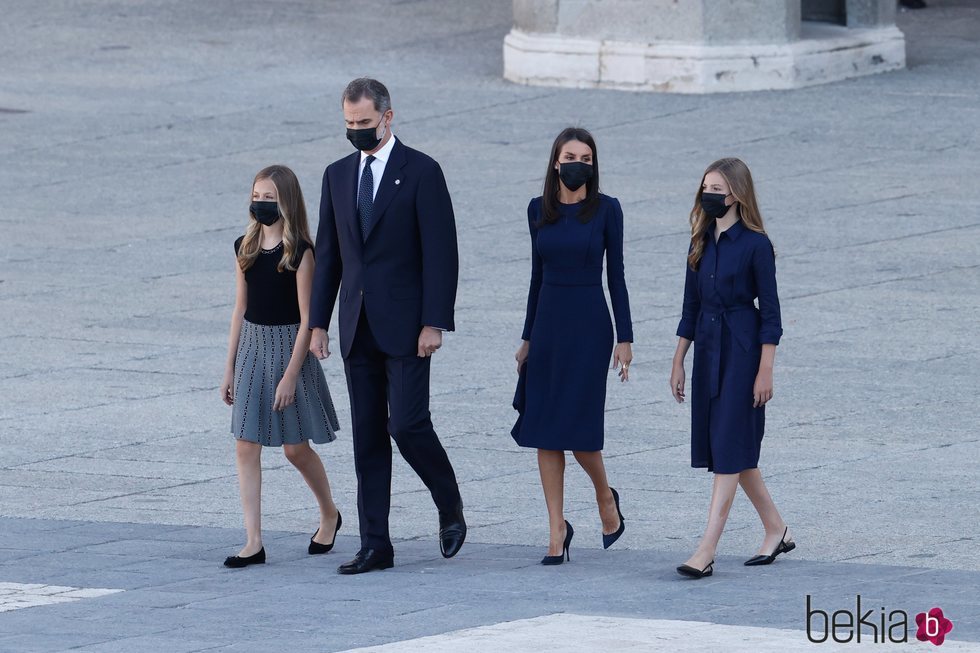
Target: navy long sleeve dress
568 326
720 316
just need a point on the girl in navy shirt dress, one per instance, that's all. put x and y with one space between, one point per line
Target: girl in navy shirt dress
730 264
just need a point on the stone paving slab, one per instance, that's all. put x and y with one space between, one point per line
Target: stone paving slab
571 633
174 587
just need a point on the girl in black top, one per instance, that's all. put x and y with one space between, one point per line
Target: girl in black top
275 385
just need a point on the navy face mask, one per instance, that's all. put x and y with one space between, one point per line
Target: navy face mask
266 213
574 174
713 205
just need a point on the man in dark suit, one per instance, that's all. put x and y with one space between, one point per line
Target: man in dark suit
387 241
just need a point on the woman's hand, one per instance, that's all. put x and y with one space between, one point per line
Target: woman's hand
521 354
227 390
285 392
622 357
677 382
762 390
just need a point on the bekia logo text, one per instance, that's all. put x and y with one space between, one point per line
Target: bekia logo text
878 626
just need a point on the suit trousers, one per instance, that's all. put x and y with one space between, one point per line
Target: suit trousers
389 396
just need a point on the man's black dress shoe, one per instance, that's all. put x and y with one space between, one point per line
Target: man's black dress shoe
452 533
236 562
368 560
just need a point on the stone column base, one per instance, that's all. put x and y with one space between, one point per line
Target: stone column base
824 53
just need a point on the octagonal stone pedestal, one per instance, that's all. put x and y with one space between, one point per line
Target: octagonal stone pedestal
585 49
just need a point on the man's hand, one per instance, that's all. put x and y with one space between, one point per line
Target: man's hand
429 341
320 343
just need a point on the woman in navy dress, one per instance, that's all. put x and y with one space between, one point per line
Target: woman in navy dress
568 336
730 263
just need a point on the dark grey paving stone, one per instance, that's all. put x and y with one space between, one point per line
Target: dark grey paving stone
425 595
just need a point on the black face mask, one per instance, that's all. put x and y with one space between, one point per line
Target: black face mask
366 139
713 205
266 213
574 173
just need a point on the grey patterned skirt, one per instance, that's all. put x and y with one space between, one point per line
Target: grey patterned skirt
263 355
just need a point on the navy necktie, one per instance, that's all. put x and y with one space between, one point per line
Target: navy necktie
365 198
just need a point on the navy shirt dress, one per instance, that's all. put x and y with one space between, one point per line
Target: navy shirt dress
562 390
728 330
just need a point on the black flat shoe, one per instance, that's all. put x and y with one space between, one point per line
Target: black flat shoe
316 548
236 562
368 560
558 559
609 540
452 533
782 547
691 572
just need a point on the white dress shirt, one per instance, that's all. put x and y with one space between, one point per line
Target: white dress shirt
378 165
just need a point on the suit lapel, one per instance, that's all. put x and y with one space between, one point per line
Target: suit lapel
349 182
390 183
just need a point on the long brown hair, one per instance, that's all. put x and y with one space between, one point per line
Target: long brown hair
549 198
739 180
295 227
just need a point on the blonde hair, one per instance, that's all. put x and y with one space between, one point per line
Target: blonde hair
739 180
292 208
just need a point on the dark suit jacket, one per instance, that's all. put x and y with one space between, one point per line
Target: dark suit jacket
405 273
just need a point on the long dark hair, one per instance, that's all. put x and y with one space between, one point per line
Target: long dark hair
292 208
739 179
549 198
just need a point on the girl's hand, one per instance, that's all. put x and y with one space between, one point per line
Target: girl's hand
521 354
677 382
285 393
762 390
227 390
622 357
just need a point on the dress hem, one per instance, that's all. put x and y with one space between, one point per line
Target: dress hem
532 446
716 471
273 444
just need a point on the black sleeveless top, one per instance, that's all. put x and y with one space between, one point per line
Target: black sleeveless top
272 294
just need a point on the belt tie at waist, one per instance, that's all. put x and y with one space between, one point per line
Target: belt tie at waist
715 320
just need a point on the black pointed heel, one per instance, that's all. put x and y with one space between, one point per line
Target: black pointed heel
237 562
558 559
316 548
782 547
609 540
692 572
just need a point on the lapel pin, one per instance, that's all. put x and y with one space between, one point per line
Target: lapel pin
398 181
